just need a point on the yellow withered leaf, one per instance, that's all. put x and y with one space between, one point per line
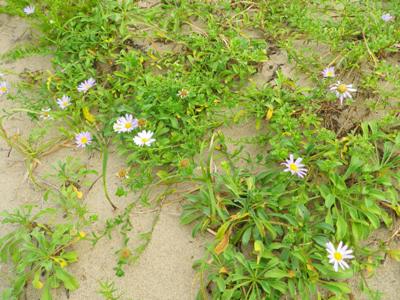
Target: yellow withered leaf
78 193
88 116
223 244
37 284
62 262
394 253
238 216
48 82
269 113
291 274
310 267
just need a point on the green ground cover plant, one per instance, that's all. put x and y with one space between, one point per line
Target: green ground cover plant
157 84
40 247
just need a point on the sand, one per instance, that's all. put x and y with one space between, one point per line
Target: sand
164 271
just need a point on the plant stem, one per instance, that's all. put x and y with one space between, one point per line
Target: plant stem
104 175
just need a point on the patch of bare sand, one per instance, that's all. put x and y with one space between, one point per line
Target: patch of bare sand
279 62
13 32
385 281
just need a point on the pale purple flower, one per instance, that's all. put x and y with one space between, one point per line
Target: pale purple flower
125 124
86 85
83 139
329 72
387 17
28 10
64 102
3 88
295 167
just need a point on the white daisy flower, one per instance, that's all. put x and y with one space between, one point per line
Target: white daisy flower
82 139
387 17
295 166
64 102
125 124
45 115
329 72
337 256
28 10
86 85
144 138
343 91
183 93
3 88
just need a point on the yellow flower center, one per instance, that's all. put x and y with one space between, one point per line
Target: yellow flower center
3 89
293 167
84 140
329 74
65 103
145 140
128 125
122 173
338 256
342 88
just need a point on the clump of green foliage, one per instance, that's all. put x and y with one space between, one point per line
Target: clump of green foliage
39 249
272 230
39 252
108 291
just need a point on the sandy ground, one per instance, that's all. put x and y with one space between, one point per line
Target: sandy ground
164 271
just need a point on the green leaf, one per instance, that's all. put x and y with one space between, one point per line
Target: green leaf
373 219
258 246
394 253
71 256
220 284
228 294
337 287
320 240
120 192
280 286
341 228
69 281
46 293
246 236
37 284
275 273
337 181
355 165
327 195
359 231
